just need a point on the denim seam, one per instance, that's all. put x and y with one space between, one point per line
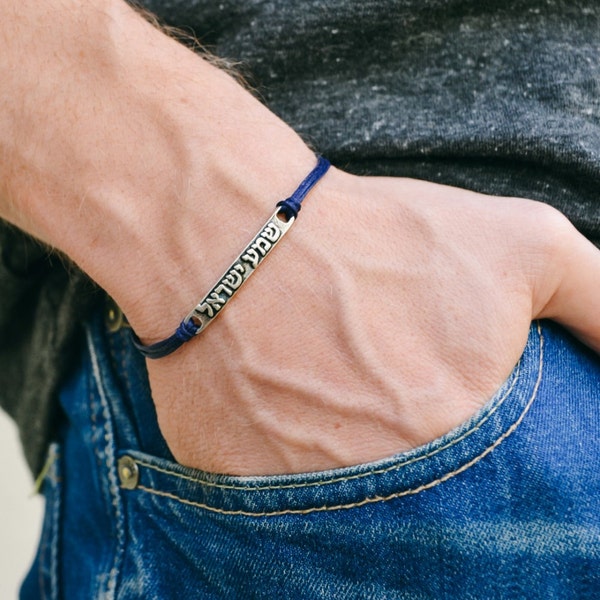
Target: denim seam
395 467
373 499
389 469
112 476
96 427
55 527
51 532
99 433
43 550
119 354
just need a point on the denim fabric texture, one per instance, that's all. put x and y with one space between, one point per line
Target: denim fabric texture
505 506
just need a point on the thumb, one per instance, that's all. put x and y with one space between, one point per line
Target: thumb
574 295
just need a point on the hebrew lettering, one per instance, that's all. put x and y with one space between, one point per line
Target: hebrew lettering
234 278
252 257
222 288
262 245
271 232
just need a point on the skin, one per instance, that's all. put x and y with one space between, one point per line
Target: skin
390 313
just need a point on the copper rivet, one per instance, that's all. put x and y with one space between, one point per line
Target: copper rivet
129 473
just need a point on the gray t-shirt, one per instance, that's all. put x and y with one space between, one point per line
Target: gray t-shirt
498 97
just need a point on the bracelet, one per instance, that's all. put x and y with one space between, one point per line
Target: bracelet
245 264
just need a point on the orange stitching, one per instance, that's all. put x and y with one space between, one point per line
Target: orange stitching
373 499
109 449
340 479
381 471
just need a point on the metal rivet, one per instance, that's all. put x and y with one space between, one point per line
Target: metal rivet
129 474
114 317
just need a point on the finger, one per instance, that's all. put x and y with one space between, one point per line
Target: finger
575 302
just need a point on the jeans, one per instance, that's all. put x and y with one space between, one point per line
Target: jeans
505 506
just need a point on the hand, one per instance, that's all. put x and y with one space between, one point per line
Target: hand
389 314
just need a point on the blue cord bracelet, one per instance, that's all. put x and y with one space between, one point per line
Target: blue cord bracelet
239 271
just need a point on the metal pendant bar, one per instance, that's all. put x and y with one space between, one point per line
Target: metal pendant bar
240 270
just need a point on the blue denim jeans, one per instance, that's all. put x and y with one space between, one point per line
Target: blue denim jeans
505 506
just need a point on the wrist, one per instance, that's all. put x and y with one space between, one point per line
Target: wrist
232 160
156 165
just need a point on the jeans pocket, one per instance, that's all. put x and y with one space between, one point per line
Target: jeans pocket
375 530
504 505
401 475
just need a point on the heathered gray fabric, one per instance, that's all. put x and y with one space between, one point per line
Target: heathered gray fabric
498 96
41 305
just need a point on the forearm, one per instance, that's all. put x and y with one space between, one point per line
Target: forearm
122 147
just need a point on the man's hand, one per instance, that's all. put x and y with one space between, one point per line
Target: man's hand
390 313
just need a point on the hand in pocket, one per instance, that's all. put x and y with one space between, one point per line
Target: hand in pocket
389 314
